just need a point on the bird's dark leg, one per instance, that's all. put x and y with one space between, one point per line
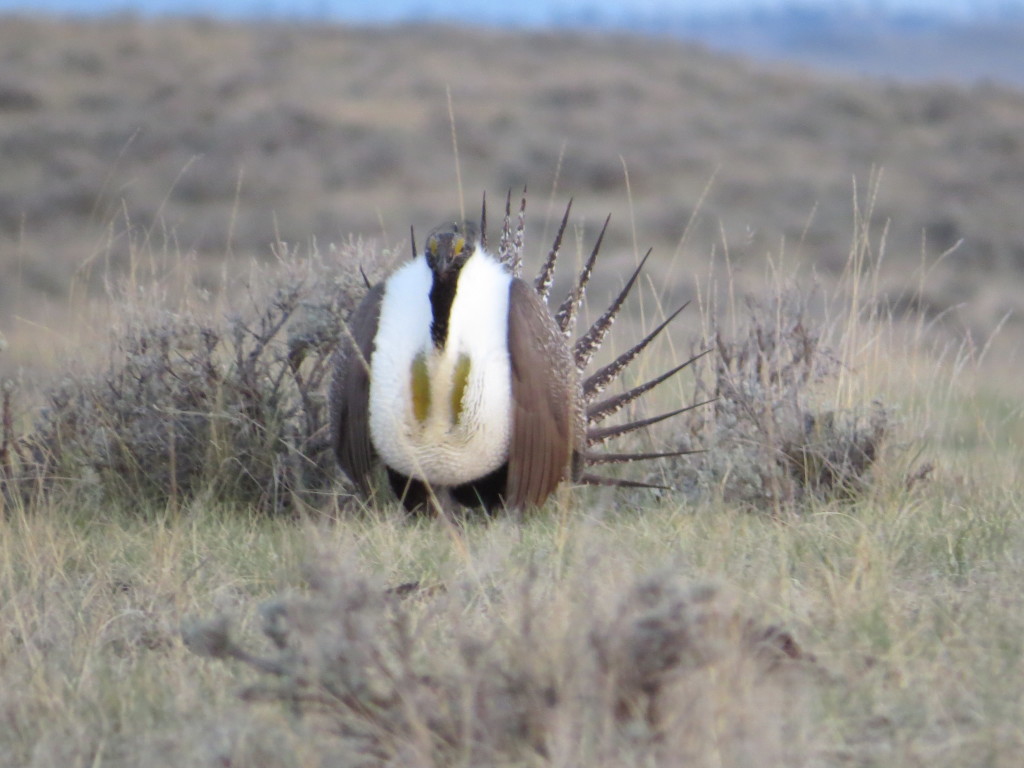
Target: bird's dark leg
414 494
487 492
419 498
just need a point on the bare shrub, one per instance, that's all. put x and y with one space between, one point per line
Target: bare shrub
502 676
228 405
833 452
768 440
8 439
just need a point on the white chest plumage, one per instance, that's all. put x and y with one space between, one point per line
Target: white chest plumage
443 415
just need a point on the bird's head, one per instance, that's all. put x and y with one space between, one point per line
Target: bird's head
449 247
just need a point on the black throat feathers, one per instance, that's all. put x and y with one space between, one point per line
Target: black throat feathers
442 294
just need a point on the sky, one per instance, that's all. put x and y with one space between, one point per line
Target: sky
522 11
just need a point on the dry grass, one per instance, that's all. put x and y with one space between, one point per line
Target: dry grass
609 629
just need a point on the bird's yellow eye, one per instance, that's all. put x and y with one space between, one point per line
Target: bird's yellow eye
457 245
432 246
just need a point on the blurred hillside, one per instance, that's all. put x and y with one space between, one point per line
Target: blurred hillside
185 137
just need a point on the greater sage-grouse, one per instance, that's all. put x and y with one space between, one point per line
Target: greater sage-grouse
455 375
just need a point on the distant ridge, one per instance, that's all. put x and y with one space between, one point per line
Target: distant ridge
965 41
906 46
249 134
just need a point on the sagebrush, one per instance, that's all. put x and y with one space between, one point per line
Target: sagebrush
769 440
190 400
430 675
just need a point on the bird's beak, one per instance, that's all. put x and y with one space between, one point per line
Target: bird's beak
445 262
450 255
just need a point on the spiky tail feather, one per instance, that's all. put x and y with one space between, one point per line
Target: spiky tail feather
597 435
547 272
593 459
566 314
588 479
510 253
591 341
510 246
598 412
595 384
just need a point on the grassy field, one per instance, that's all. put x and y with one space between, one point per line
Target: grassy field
905 611
880 627
153 612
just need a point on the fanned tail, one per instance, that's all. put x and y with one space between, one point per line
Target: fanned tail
509 251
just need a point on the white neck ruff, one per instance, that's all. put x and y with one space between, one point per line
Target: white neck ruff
442 449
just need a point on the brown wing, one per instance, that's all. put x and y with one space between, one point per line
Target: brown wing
350 392
546 409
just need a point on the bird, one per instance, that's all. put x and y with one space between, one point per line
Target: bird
455 375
